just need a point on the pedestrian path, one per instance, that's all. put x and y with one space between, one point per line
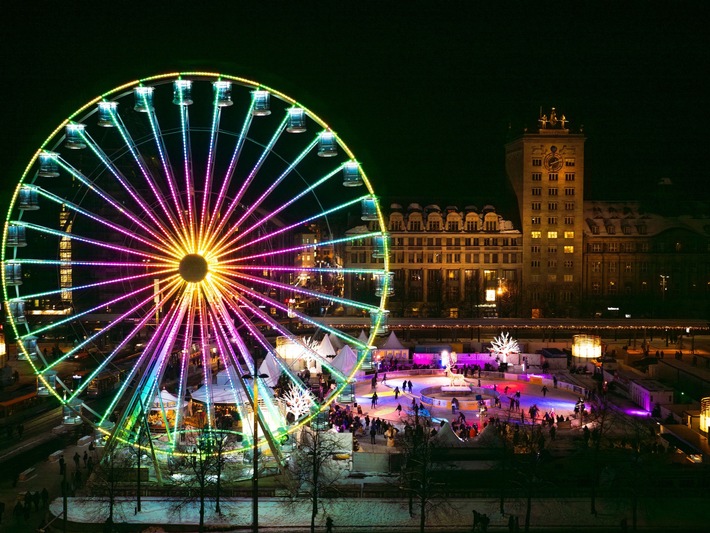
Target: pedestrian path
44 475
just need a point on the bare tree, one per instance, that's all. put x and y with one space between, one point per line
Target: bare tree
421 472
313 470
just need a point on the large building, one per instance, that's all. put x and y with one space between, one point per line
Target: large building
569 257
546 170
445 262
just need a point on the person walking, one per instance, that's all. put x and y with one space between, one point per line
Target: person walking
62 466
329 525
396 393
410 385
544 391
399 410
374 400
77 458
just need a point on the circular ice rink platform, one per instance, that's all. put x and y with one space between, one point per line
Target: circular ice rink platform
468 398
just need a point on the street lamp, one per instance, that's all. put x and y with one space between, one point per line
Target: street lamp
255 463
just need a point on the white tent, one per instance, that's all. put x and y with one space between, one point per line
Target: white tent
272 369
346 360
392 349
392 343
336 341
221 394
168 401
325 349
446 438
363 336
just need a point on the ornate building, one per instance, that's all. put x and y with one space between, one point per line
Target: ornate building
640 263
445 262
546 170
569 258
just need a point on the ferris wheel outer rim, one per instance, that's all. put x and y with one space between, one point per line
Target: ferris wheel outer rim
85 111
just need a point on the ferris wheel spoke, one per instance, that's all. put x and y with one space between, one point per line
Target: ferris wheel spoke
101 220
148 366
78 288
209 170
292 249
187 171
109 199
127 186
86 240
117 350
312 354
273 213
111 324
249 179
284 229
143 168
229 173
164 158
303 291
253 206
314 270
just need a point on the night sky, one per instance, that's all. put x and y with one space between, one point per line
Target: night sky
426 97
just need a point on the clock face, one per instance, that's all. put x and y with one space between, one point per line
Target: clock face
553 162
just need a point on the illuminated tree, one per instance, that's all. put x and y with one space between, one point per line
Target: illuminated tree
504 346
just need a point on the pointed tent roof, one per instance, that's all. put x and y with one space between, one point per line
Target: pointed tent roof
169 401
446 438
392 343
326 347
272 369
363 336
336 341
346 360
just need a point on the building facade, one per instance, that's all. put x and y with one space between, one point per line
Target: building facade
569 257
445 262
546 170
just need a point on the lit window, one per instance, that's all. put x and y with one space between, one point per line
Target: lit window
569 234
569 278
569 249
551 234
536 234
552 277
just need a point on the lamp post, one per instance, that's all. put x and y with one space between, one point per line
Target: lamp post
255 463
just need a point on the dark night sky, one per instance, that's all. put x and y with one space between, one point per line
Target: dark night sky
425 96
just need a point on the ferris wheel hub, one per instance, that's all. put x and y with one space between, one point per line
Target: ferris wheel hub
193 268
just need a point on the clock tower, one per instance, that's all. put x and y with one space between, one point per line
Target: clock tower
546 170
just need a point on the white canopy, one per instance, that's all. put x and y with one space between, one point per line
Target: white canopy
272 369
325 348
169 401
446 438
363 336
336 341
345 361
222 394
392 343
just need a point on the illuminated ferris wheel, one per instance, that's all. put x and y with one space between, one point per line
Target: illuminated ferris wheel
167 242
